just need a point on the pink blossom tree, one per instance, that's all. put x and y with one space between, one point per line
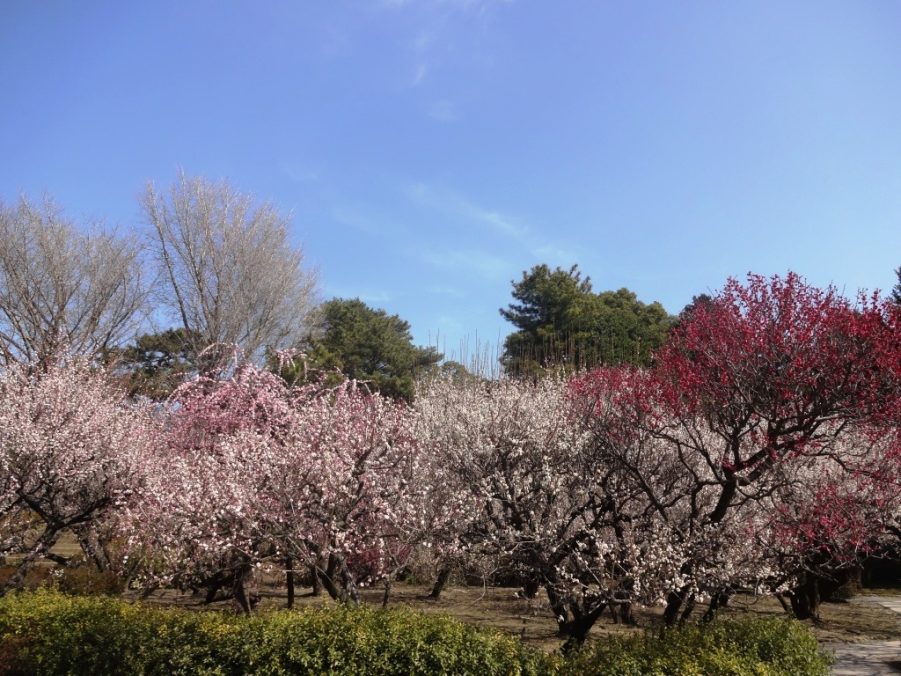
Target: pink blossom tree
354 488
203 517
252 471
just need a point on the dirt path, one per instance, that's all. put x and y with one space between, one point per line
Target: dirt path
870 658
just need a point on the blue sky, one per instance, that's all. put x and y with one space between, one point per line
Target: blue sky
432 150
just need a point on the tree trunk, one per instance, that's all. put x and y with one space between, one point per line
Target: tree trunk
289 579
42 546
805 598
674 602
387 592
688 609
317 580
337 571
621 612
574 619
717 601
92 548
350 588
530 589
575 631
444 574
240 589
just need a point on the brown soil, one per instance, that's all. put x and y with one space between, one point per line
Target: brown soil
501 608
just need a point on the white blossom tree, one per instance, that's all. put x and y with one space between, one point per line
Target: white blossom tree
71 453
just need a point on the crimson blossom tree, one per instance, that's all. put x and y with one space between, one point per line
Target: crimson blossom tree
765 375
71 451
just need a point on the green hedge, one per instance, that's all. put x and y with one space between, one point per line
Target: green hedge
757 646
46 632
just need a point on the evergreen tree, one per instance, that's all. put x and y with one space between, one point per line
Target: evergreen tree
561 321
365 344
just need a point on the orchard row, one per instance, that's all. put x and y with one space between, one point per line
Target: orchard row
759 452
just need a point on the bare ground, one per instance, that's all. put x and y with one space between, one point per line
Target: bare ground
531 619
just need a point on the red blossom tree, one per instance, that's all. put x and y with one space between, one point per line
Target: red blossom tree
765 373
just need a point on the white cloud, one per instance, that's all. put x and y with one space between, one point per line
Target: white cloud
297 172
354 219
449 291
459 206
555 255
482 263
421 71
368 296
443 111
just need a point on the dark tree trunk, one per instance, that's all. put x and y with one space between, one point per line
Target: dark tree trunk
530 589
621 612
717 601
575 631
289 580
92 548
351 595
327 578
813 589
574 619
674 602
336 572
215 584
387 592
240 589
317 580
444 574
38 550
687 610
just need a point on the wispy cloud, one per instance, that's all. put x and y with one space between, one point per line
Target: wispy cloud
460 207
443 111
448 291
555 255
482 263
354 219
297 172
368 296
419 76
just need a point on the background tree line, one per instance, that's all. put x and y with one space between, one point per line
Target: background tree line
216 267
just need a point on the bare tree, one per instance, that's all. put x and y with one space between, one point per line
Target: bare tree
63 288
231 275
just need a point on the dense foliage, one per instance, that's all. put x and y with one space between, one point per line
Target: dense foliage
560 320
364 344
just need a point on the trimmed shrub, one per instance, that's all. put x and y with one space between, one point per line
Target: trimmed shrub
49 633
46 632
752 646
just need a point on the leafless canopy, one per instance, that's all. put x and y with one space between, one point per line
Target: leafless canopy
63 288
231 276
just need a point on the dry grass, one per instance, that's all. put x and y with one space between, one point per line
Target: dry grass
501 608
531 619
